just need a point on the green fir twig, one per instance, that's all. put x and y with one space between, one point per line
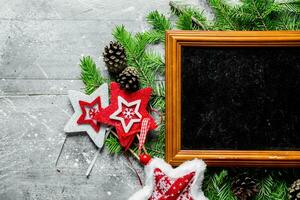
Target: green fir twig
189 18
90 75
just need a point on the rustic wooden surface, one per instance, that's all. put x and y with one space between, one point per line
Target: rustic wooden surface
41 42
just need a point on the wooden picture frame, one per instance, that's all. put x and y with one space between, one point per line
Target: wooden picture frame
175 40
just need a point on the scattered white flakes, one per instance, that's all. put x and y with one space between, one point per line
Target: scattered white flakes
129 9
109 193
31 116
49 155
76 160
35 135
114 175
75 164
67 157
86 156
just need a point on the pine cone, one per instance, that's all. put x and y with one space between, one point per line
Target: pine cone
244 186
294 190
129 79
115 58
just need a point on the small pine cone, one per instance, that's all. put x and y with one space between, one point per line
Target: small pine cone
294 190
244 186
115 58
129 79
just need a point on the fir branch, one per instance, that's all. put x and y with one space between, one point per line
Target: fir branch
265 188
136 56
280 191
154 61
254 15
188 18
158 21
291 6
288 21
134 46
90 76
159 97
223 14
218 186
112 144
153 37
259 14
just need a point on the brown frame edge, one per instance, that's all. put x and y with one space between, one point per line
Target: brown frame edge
174 41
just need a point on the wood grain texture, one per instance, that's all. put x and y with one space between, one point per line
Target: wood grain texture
174 41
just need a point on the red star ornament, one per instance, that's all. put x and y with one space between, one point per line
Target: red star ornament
88 112
126 112
165 183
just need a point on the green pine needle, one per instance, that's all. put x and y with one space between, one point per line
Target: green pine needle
188 18
90 76
291 6
112 144
217 186
256 15
159 24
158 21
280 191
153 37
265 188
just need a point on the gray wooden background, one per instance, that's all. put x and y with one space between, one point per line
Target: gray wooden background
41 42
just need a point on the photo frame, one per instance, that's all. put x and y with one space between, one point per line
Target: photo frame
240 44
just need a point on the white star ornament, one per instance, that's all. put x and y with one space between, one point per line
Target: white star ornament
85 107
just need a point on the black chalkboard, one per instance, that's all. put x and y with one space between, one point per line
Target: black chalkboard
240 98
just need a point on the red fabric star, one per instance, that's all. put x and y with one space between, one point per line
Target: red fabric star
167 189
87 118
162 181
126 112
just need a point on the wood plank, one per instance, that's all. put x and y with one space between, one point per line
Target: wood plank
52 49
12 87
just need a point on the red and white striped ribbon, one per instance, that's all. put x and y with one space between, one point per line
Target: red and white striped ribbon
143 134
